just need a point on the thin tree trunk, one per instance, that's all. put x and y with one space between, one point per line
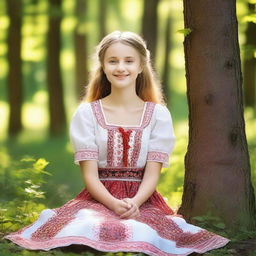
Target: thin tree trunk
55 85
14 80
149 25
80 40
217 166
102 17
166 71
250 62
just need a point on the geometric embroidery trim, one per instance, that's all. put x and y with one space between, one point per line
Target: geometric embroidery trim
96 107
121 173
158 156
86 154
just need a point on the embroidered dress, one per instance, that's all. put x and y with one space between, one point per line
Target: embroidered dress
122 153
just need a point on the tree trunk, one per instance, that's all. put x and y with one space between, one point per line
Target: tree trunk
14 80
80 40
166 71
250 62
149 25
217 166
102 17
55 85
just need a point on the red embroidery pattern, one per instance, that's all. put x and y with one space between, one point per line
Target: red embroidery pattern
148 114
162 223
86 154
121 173
136 147
196 240
113 231
118 151
117 156
63 216
158 221
158 156
135 246
110 148
100 117
126 146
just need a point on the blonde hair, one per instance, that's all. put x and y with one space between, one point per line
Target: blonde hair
148 88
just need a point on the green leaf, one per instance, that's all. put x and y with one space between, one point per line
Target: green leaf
27 159
40 164
199 218
220 225
30 190
185 31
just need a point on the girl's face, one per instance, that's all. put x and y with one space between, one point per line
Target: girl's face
121 65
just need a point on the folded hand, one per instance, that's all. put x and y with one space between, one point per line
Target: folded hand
132 211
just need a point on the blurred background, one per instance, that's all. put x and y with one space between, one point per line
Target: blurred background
43 74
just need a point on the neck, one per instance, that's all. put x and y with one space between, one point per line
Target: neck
124 97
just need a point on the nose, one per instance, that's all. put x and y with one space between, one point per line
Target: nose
120 67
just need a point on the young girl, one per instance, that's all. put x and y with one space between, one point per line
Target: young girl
122 136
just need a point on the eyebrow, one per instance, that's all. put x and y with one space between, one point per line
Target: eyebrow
126 57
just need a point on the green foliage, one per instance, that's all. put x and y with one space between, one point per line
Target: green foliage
215 224
185 31
20 187
249 51
10 249
250 18
221 252
212 223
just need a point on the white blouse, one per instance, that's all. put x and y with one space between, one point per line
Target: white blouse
118 146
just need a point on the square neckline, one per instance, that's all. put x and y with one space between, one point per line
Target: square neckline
122 125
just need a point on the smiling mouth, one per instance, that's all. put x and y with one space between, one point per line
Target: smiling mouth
120 76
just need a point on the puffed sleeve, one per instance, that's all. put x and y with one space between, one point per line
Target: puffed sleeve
162 138
82 134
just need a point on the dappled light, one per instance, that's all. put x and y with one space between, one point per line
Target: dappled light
37 169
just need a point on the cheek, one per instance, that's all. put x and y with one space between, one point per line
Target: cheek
107 69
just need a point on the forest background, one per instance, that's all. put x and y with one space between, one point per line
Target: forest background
37 102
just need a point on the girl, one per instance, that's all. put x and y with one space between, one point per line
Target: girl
122 136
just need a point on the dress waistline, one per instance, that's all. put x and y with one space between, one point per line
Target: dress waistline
121 173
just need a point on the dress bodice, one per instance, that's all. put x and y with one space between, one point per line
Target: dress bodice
115 146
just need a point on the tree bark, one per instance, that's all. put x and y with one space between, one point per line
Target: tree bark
14 79
102 17
217 166
250 62
149 25
80 40
166 70
55 85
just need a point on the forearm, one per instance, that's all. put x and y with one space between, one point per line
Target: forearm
149 182
89 170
